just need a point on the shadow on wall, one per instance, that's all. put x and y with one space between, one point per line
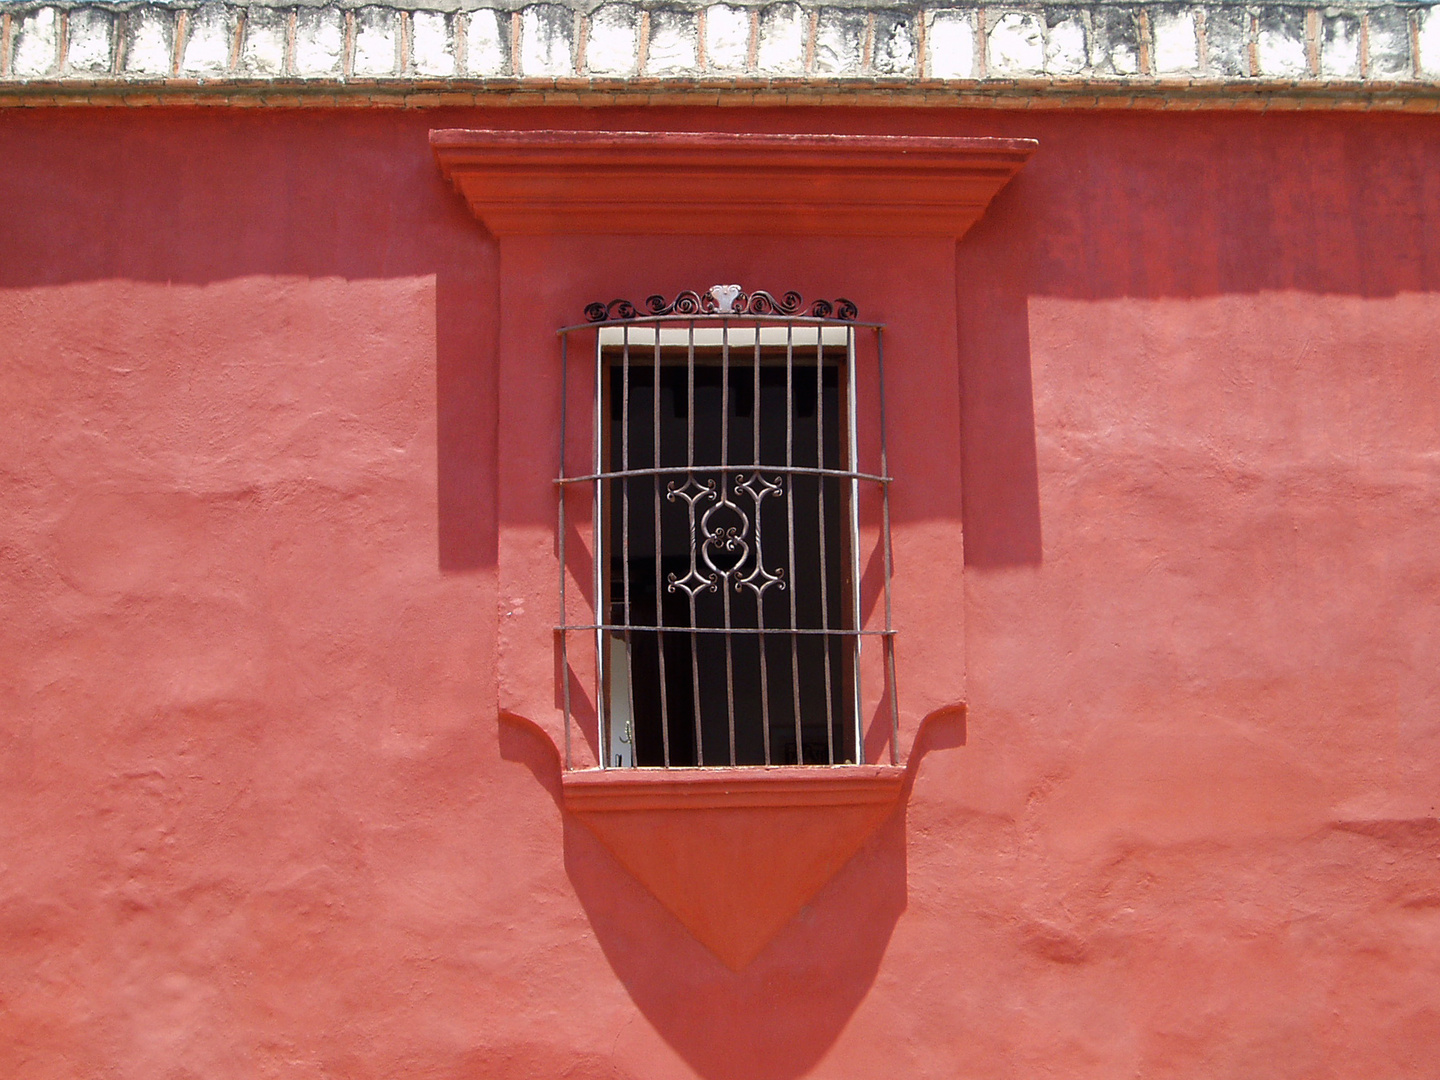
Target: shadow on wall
778 1017
1137 205
465 340
1000 481
173 197
1152 206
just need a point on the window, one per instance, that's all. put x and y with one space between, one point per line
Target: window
726 498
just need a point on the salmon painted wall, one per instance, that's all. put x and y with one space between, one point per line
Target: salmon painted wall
258 817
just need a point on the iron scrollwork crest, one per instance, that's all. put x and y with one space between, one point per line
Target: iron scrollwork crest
723 300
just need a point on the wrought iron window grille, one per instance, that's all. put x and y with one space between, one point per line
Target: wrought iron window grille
724 486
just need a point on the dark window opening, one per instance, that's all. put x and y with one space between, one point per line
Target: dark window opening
737 531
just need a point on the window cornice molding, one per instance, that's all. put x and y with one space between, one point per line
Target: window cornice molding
720 184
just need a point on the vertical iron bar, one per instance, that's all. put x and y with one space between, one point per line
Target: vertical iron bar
625 535
790 536
597 514
564 619
690 475
824 571
659 574
889 638
724 466
855 610
759 593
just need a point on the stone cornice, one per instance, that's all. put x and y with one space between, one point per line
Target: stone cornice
711 183
1217 55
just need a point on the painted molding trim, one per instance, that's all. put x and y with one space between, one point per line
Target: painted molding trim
735 854
601 790
681 183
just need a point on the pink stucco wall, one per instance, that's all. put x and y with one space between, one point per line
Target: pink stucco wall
258 817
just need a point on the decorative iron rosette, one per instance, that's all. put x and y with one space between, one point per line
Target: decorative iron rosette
723 300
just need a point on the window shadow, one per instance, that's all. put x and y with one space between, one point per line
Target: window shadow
778 1017
1162 206
1000 482
180 198
465 397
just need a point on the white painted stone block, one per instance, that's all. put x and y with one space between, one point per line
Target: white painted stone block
149 42
1428 43
613 44
547 37
1280 53
1387 32
1340 48
1177 49
673 44
880 39
1114 41
263 50
839 41
377 42
486 34
727 38
319 42
950 37
1124 60
432 48
90 47
207 42
782 40
37 43
1017 44
1065 52
894 49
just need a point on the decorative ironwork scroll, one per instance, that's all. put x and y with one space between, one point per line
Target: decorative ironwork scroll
710 538
723 300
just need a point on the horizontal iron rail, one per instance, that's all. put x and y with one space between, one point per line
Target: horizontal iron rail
682 470
719 320
770 631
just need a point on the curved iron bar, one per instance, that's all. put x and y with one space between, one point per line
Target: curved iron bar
692 491
762 303
687 303
760 579
722 538
685 470
843 310
614 311
710 320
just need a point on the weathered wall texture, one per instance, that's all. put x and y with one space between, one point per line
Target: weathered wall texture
258 817
400 53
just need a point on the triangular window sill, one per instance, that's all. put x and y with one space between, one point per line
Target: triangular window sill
734 853
601 790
